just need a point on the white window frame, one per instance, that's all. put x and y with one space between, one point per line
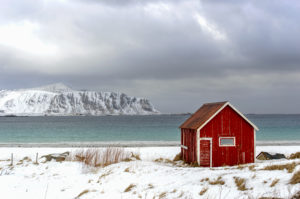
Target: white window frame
227 145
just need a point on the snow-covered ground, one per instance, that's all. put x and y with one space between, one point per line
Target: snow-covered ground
148 178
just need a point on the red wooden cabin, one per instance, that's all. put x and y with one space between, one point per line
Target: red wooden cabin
218 135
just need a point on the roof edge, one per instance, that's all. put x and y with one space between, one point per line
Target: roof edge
228 104
210 103
243 116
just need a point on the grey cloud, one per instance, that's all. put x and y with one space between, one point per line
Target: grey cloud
262 31
162 52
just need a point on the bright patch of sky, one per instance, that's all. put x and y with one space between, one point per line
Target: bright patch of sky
23 36
210 28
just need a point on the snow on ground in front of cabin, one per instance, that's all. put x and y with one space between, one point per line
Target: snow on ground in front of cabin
149 178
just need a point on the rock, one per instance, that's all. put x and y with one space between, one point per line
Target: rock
58 157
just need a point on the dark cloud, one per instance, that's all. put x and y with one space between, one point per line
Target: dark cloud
177 53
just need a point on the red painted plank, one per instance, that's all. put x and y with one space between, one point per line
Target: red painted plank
205 153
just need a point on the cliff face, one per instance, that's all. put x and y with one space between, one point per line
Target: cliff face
58 99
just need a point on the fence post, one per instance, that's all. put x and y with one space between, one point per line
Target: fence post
12 159
36 158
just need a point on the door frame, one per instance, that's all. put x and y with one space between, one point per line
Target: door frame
210 148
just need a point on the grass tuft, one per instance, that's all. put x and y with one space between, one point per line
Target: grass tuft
164 160
294 155
130 187
289 167
251 167
296 178
162 195
82 193
218 181
150 186
274 182
240 183
204 179
240 167
137 156
203 191
194 164
178 157
99 157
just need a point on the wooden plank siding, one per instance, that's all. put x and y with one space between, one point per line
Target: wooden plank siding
189 140
228 123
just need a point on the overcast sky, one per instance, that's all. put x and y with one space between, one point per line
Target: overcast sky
177 53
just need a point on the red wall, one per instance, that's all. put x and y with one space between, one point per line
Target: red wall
188 139
229 123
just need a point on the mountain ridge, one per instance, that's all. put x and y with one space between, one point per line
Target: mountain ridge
61 100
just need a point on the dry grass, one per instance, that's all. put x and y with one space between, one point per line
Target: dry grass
251 168
218 181
203 191
159 160
241 167
137 156
163 160
274 182
104 175
27 159
294 155
150 186
130 187
240 183
162 195
126 170
296 178
82 193
194 164
99 157
204 179
178 157
289 167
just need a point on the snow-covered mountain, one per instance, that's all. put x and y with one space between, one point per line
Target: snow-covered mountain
58 99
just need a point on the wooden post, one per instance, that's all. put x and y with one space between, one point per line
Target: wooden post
12 159
36 158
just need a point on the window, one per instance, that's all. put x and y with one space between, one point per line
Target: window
227 141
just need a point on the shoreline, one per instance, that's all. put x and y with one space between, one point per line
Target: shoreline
127 144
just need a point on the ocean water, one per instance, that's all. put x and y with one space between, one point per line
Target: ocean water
128 128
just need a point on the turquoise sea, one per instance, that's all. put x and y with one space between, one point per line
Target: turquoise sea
128 128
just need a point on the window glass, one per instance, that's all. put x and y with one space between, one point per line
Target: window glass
227 141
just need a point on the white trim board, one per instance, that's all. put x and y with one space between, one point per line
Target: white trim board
254 160
198 146
228 104
184 147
